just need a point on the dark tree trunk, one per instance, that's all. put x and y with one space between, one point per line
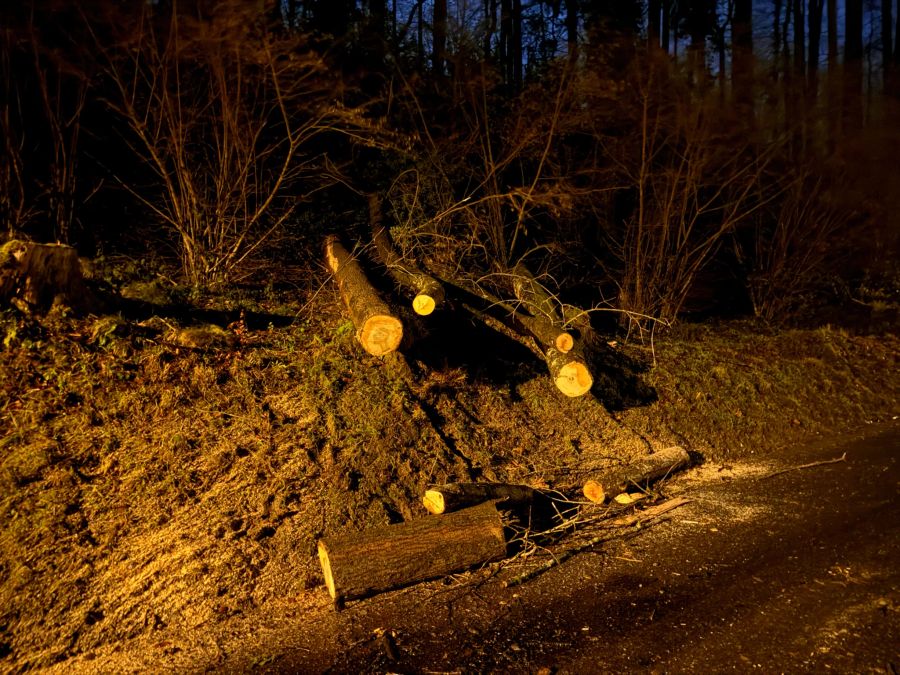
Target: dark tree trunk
742 59
653 23
887 27
666 24
853 64
516 51
439 36
572 29
816 8
834 96
490 26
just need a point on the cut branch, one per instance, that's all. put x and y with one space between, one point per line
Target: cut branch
377 329
637 475
622 522
361 564
454 496
429 293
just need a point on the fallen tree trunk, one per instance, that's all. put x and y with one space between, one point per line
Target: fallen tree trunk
454 496
429 293
41 274
636 475
377 329
361 564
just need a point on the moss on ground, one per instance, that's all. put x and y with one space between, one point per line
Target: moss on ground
148 483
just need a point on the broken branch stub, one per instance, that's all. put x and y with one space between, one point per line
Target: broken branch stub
364 563
638 474
377 329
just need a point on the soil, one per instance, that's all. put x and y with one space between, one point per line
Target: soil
166 470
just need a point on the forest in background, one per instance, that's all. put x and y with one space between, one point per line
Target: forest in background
643 160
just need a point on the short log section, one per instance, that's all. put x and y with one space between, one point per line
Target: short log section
636 475
440 499
377 329
358 565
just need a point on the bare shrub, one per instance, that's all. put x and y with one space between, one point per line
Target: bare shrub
223 114
790 244
690 183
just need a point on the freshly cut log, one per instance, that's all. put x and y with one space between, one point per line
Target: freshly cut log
429 293
365 563
377 329
546 333
40 274
545 316
638 474
454 496
570 372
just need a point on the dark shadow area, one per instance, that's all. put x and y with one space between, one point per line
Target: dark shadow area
186 313
452 338
618 381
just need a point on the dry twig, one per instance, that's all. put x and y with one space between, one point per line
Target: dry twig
842 458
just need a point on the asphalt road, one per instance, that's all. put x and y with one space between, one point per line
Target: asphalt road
796 572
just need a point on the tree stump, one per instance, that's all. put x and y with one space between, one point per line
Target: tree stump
41 274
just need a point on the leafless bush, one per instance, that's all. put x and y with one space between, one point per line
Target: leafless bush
789 246
16 209
691 183
223 114
472 201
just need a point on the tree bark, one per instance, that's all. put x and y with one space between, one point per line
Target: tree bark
639 474
365 563
429 293
455 496
540 304
41 274
377 329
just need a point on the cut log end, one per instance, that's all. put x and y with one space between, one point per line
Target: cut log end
381 334
423 305
564 342
594 492
574 379
326 570
434 502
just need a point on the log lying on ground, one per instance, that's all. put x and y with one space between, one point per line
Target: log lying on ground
569 371
454 496
429 293
539 303
41 274
361 564
377 329
637 475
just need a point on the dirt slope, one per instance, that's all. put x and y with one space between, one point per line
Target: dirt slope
165 488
